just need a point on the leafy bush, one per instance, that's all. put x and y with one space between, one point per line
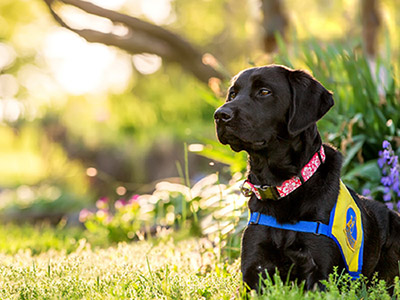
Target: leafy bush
121 225
42 201
366 107
209 208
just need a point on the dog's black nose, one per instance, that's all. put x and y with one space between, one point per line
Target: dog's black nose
223 114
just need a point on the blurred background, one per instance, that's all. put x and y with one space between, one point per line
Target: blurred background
102 100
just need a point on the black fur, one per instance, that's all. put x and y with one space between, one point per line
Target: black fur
271 112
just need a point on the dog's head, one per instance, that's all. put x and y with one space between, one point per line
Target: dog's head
269 102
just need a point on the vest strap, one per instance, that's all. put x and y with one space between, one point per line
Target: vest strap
316 228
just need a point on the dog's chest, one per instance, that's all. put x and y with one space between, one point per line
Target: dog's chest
273 238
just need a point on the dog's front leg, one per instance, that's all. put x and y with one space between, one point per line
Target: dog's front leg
306 268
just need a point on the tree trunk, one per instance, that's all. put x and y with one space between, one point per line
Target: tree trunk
274 22
370 25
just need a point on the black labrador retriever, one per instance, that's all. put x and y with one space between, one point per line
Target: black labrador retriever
271 113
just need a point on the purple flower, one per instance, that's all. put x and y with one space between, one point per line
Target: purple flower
389 205
386 154
393 161
386 181
366 192
395 187
385 144
381 162
388 162
394 172
387 197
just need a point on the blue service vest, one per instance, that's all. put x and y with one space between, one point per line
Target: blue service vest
345 228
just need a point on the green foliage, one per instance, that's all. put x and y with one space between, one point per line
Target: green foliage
214 150
38 199
38 239
121 225
208 208
36 176
366 107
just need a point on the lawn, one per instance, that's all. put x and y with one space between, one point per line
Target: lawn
189 269
161 268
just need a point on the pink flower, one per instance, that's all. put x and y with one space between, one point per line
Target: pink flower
102 203
134 199
120 203
84 215
102 214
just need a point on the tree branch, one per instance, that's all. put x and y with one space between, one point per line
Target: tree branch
142 37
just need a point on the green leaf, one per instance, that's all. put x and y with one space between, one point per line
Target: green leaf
352 152
368 170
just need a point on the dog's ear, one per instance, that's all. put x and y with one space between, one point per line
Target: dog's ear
310 101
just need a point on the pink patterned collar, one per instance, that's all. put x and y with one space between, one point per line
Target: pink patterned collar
264 192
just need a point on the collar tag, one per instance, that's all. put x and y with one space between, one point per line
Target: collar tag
248 189
262 192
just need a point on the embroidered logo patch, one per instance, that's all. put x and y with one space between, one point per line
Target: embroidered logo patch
351 228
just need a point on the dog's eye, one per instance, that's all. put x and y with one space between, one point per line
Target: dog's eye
232 95
264 92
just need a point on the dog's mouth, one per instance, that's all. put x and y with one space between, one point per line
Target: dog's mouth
256 145
238 143
261 143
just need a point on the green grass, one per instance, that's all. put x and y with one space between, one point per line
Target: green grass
38 239
156 269
140 270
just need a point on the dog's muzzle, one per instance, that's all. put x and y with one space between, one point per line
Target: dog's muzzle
223 114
